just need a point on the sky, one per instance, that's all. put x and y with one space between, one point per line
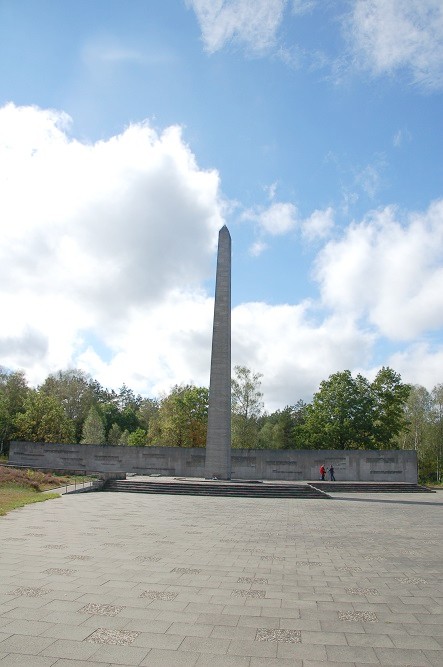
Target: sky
132 131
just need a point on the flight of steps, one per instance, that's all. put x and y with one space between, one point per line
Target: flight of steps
215 488
370 487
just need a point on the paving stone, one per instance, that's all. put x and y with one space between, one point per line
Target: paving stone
110 636
165 658
100 609
24 627
276 662
27 644
77 663
300 595
352 654
358 616
185 570
165 596
119 655
205 645
222 661
29 592
191 629
22 660
398 656
256 594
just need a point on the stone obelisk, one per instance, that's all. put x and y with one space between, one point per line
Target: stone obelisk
218 441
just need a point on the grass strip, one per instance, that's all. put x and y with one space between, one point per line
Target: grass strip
13 496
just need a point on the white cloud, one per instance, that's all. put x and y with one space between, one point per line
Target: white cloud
294 351
420 363
369 179
388 271
280 218
276 220
303 6
318 225
106 248
257 248
400 137
390 35
253 24
92 233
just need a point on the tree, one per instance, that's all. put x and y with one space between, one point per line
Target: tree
279 430
75 391
13 392
148 409
43 420
437 419
138 438
417 411
247 407
127 399
93 428
341 414
390 396
182 418
114 435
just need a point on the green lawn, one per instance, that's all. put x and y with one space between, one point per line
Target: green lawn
13 496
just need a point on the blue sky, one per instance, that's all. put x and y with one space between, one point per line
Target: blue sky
131 131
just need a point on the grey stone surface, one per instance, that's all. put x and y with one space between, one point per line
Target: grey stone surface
190 617
218 441
295 465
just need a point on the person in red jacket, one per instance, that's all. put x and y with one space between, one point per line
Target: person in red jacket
322 472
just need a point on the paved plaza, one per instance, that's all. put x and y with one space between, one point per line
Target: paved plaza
99 579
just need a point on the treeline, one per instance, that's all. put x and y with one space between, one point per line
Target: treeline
346 413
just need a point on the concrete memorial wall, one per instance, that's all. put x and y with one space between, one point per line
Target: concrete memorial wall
295 464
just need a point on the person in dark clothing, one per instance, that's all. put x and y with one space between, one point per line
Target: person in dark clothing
331 473
322 472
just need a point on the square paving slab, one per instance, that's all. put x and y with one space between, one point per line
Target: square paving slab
155 580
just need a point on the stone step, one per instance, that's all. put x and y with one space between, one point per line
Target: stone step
370 487
261 490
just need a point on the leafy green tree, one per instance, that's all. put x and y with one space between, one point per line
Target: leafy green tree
247 407
127 399
279 430
182 418
138 438
93 428
114 435
417 411
340 415
437 420
148 409
75 391
43 420
124 438
390 395
13 392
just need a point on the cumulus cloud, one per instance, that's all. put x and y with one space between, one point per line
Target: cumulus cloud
390 35
389 271
280 218
107 247
276 220
293 350
92 232
253 24
318 225
420 363
303 6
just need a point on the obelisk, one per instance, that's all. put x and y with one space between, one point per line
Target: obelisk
218 440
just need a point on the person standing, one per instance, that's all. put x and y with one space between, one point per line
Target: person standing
331 473
322 472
